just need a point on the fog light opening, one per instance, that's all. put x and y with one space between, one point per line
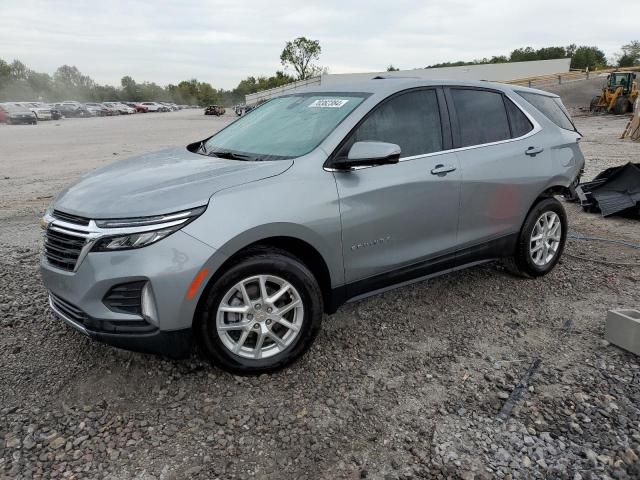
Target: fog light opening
149 311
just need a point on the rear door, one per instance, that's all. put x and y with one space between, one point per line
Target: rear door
397 219
505 162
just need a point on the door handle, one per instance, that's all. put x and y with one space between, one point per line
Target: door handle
533 151
442 170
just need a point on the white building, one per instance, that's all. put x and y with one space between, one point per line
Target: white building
496 72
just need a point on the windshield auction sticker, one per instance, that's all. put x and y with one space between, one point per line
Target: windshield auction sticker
328 103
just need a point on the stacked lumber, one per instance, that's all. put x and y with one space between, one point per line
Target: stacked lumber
633 127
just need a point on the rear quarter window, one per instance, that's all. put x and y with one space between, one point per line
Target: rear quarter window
520 124
550 107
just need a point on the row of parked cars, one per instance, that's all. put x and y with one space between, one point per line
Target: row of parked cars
32 112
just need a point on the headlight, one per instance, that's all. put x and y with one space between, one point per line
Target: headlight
129 233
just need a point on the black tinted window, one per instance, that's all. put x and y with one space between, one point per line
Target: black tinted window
520 124
481 116
551 107
410 120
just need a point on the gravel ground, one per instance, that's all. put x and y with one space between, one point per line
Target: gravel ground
408 384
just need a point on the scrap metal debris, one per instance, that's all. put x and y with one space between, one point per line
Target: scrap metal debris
517 392
613 191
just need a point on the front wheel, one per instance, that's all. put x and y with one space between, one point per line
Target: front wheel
261 315
541 240
621 106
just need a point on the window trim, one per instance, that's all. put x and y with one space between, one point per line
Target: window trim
456 129
445 128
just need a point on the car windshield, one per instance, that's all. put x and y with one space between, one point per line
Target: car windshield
14 108
285 127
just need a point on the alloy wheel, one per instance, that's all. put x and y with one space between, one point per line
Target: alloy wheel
260 317
545 238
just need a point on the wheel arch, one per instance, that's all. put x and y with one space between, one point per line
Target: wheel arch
293 245
554 189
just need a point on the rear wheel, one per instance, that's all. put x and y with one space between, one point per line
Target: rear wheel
261 314
541 240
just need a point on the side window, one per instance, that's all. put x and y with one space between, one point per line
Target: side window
520 124
551 107
482 117
410 120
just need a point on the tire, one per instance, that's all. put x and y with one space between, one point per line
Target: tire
526 263
272 267
622 106
594 104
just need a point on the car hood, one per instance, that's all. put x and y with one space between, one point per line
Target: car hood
162 182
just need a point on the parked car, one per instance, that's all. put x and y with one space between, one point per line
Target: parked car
216 110
98 109
41 111
312 199
74 110
154 107
172 107
120 107
138 107
13 114
56 114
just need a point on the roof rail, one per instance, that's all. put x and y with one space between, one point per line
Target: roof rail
387 77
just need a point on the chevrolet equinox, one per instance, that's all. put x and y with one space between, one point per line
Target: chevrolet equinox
242 241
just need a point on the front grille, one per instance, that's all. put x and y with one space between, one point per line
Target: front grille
93 325
62 250
67 217
125 298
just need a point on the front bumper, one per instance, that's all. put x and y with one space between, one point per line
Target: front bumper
176 343
169 266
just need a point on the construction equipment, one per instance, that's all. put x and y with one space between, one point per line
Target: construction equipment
618 95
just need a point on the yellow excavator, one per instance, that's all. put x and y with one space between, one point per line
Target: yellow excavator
618 95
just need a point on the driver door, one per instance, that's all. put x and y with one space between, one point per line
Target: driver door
399 222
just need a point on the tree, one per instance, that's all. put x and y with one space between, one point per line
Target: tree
5 72
499 59
299 54
130 89
391 68
550 53
18 70
630 54
72 78
523 55
588 57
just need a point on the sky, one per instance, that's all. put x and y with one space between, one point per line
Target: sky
224 41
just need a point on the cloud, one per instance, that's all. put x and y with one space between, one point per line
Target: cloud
223 41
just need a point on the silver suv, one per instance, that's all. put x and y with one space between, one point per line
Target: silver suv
242 241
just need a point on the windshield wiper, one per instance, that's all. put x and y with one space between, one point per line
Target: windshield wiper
230 155
202 148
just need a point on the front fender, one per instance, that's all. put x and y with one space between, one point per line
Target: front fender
300 206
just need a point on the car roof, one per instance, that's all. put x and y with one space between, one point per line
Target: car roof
381 86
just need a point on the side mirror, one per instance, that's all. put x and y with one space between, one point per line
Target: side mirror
369 154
